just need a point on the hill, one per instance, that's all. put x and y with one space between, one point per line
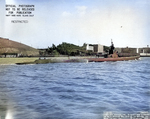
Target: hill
9 47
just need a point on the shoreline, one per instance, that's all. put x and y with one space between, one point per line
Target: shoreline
32 60
45 60
12 61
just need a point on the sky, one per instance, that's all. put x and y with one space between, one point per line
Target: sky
126 22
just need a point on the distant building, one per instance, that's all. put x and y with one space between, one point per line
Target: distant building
97 48
145 51
89 47
127 50
119 50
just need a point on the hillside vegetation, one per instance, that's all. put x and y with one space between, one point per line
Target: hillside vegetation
65 49
11 47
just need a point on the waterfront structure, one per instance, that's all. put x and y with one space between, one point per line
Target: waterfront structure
97 48
89 47
126 50
145 51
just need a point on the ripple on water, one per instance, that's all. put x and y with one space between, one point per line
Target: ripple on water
75 90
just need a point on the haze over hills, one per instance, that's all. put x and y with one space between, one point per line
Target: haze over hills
12 47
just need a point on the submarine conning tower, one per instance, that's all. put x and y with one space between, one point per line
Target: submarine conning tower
111 48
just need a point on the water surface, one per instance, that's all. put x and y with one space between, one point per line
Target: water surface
74 90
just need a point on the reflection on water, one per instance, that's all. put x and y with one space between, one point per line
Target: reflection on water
74 90
9 114
6 113
5 103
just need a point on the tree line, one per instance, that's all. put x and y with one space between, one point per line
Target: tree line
68 49
64 49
